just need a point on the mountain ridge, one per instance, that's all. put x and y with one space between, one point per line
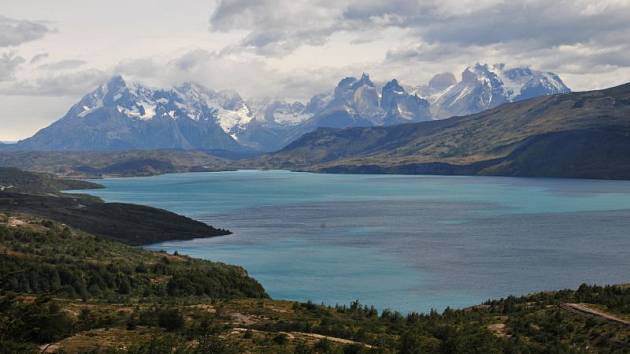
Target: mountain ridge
506 140
121 115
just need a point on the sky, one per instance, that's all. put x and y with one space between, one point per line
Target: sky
54 52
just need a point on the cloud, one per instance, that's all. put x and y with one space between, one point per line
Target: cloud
211 69
581 32
65 84
15 32
9 63
538 23
38 57
276 28
193 59
252 77
63 64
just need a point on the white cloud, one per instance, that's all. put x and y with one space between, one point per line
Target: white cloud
74 83
63 64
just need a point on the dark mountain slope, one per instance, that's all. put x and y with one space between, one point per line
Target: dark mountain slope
585 134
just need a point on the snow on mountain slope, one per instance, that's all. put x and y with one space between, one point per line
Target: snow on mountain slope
120 115
483 87
123 115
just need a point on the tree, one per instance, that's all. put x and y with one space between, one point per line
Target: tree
170 319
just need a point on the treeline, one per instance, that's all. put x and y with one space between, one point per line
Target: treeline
614 297
530 324
52 259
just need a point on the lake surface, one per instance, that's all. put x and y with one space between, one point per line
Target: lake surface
408 243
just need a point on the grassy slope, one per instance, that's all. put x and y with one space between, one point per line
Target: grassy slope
113 298
581 134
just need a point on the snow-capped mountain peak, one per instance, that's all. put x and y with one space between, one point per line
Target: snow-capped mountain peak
486 86
125 114
187 101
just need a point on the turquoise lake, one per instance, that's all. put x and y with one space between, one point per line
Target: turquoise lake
408 243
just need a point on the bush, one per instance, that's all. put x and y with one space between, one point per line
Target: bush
281 339
170 319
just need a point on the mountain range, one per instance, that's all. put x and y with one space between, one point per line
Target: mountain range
122 115
582 134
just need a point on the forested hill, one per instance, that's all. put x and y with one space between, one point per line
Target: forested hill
41 256
583 134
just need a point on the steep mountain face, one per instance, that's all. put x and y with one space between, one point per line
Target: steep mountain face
123 116
354 102
272 124
581 134
357 102
401 107
483 87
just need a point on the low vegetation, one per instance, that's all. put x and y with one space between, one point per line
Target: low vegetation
65 291
15 180
86 164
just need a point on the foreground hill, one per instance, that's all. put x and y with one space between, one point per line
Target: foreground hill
65 291
581 134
